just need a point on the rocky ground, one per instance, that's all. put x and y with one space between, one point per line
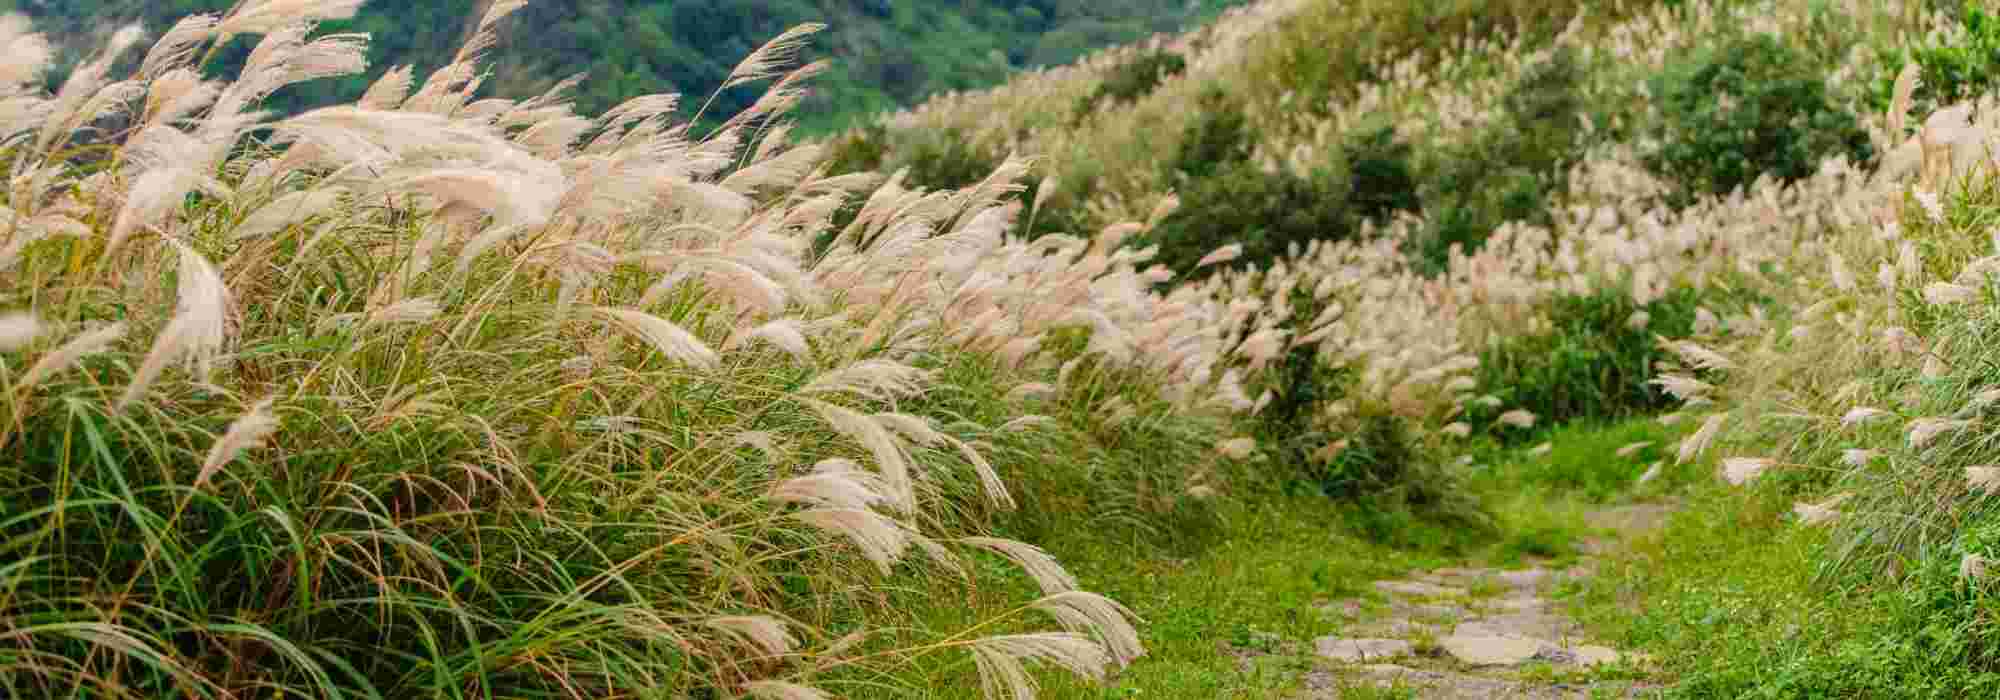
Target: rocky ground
1474 632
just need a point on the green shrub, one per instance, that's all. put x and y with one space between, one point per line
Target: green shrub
1371 458
1219 138
1382 181
1949 72
1591 364
1133 79
858 151
1226 198
1510 171
942 160
1750 106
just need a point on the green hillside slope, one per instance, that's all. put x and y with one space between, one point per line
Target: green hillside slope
887 53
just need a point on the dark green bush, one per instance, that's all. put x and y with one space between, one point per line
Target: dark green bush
943 160
1750 106
1591 364
858 151
1381 180
1262 211
1219 138
1226 198
1381 466
1509 172
1133 79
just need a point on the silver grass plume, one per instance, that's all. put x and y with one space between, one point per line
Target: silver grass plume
764 632
784 690
175 50
881 540
246 432
197 330
772 57
670 339
66 355
1699 441
1002 661
267 16
1084 612
1036 563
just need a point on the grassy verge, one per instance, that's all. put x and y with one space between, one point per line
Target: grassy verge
1727 597
1234 614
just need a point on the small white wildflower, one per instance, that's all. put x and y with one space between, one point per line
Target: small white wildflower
1859 458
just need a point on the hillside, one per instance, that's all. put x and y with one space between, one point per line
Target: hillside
1331 349
886 53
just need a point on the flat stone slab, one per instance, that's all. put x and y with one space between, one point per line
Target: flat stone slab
1435 610
1357 650
1418 589
1527 578
1386 670
1393 627
1592 655
1520 604
1491 650
1521 624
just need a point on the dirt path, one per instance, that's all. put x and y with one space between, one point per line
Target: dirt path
1480 633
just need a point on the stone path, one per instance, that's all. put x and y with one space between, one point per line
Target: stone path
1470 633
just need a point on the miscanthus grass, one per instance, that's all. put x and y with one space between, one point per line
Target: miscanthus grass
438 395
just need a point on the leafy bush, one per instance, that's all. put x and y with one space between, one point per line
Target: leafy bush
1750 106
1949 72
1371 457
859 151
1133 79
1509 172
1381 180
1592 363
1226 198
944 160
1219 138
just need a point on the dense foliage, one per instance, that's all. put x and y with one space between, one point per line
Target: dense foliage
1748 107
1595 361
887 53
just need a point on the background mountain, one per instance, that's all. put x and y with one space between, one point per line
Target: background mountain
888 53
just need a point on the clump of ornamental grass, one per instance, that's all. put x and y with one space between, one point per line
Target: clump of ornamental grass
1867 399
435 394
